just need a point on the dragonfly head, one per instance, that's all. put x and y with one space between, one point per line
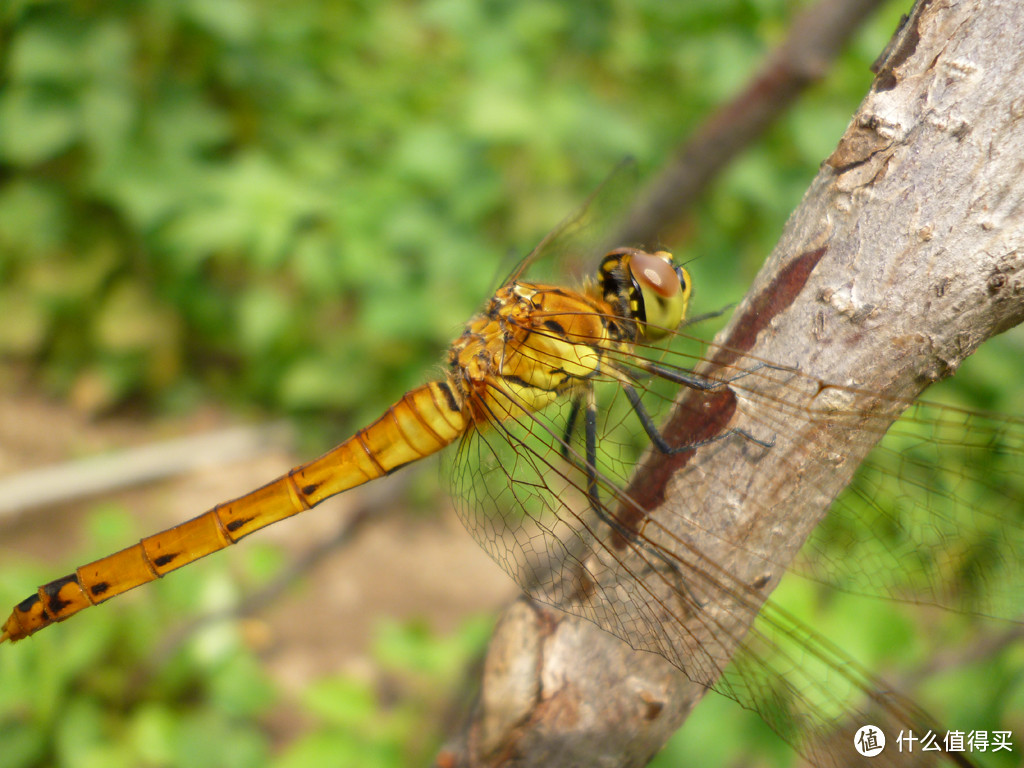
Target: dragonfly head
651 287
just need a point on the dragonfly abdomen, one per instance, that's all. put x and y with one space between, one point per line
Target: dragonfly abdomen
423 422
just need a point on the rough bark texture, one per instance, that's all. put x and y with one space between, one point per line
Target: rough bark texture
905 254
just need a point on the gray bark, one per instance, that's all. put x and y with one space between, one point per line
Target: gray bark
904 256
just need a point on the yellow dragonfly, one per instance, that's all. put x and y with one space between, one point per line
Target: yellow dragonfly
550 394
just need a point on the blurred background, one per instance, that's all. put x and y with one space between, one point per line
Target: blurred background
248 211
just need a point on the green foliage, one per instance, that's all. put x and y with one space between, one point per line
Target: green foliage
296 206
356 726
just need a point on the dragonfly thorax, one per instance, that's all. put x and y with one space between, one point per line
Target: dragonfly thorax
532 344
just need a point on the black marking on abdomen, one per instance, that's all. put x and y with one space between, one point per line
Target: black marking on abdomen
397 467
26 605
54 605
99 588
234 525
164 559
309 490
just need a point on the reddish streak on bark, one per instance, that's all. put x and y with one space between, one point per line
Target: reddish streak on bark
702 416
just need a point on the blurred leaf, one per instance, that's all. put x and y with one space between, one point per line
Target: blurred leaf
233 21
32 219
318 383
129 321
153 733
240 688
34 127
501 112
24 325
44 53
340 701
339 748
79 731
430 154
23 746
263 315
212 742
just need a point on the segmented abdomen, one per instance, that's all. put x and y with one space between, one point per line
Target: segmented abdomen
424 421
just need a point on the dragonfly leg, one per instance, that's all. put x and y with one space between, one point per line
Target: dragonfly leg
693 320
693 381
590 430
662 445
633 537
570 426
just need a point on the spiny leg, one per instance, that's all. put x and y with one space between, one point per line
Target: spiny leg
590 469
662 445
570 426
590 431
701 384
693 381
695 319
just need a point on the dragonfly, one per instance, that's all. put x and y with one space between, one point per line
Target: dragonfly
550 396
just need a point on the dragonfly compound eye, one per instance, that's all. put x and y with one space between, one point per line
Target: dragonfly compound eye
664 289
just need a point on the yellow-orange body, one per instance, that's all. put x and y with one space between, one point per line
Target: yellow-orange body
530 345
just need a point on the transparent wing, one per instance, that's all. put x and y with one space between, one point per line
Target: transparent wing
934 515
917 524
572 248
